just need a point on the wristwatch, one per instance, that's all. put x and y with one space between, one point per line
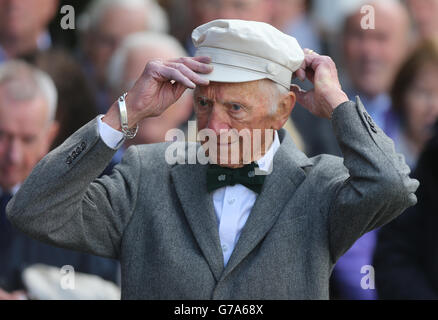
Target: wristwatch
128 133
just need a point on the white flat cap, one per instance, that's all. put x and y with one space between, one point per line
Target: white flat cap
243 51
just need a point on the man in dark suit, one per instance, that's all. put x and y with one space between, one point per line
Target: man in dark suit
406 258
27 129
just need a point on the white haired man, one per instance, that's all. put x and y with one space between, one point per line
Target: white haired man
226 229
28 100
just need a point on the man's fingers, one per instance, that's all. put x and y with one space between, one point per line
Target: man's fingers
197 64
303 97
189 73
300 74
312 61
174 74
202 59
303 72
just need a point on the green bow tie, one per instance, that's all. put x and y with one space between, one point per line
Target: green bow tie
219 177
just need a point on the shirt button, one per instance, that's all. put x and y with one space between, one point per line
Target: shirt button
224 248
231 201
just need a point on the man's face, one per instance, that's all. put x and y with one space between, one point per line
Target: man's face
24 138
222 107
116 24
255 10
421 104
22 17
374 56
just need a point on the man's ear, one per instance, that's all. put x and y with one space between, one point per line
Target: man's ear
284 109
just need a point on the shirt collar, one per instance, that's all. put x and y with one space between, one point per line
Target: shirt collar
13 191
266 161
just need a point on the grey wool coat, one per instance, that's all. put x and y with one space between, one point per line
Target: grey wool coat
159 220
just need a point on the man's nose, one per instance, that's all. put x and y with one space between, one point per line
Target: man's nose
217 121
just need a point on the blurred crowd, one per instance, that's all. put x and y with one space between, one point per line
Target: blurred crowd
54 80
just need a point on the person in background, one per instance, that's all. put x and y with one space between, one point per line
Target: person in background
23 27
424 14
28 100
203 11
73 110
291 16
415 100
406 257
372 59
104 25
125 68
373 56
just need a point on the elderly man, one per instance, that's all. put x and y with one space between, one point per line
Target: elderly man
28 102
104 25
187 229
372 58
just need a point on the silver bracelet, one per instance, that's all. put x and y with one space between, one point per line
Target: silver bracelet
128 133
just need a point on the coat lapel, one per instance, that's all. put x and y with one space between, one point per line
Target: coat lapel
191 186
278 189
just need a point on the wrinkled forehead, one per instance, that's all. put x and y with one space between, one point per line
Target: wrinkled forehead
226 90
254 95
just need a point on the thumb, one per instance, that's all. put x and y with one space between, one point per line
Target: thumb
303 96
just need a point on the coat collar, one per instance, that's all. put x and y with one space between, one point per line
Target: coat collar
191 188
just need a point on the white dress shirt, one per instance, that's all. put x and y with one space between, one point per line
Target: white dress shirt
232 204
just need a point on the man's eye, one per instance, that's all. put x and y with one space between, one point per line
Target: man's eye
203 103
236 107
29 140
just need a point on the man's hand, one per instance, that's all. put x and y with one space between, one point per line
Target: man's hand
327 93
160 86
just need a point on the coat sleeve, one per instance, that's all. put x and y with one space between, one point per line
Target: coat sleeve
377 187
63 202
